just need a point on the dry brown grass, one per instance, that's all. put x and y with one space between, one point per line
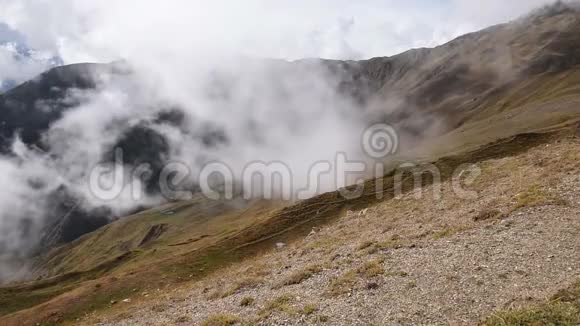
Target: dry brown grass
159 307
247 301
364 245
535 196
184 320
488 214
448 231
282 304
562 309
221 320
342 284
236 287
300 276
309 309
397 221
371 268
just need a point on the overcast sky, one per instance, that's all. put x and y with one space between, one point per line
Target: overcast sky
106 30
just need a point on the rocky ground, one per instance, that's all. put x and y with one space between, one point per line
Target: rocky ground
408 261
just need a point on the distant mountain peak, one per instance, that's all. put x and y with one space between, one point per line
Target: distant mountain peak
557 8
21 61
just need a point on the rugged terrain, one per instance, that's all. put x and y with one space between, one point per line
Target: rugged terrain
506 99
408 261
495 75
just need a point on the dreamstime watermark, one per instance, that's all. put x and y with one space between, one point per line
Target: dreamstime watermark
275 180
380 141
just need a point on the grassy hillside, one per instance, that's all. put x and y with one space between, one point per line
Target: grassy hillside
183 242
191 245
488 113
408 260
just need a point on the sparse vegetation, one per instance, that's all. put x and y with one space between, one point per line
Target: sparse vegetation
364 245
309 309
159 307
221 320
411 284
300 276
183 319
323 319
325 244
393 243
247 301
563 309
372 247
400 229
245 283
397 274
536 196
341 284
448 231
371 268
488 214
282 303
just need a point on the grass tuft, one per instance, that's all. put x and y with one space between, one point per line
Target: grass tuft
341 284
371 268
309 309
563 309
283 303
221 320
488 214
536 196
300 276
247 301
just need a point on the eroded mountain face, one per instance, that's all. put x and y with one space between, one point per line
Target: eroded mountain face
423 92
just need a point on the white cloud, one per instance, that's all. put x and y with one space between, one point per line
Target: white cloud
341 29
271 113
17 67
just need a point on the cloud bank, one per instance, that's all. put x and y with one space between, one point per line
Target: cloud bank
104 30
194 73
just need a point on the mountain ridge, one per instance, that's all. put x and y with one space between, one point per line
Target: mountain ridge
488 95
422 92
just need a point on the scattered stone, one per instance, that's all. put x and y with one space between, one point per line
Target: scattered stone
372 286
487 266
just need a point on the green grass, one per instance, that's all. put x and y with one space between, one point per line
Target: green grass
22 296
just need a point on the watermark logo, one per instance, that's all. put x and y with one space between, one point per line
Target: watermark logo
380 141
276 180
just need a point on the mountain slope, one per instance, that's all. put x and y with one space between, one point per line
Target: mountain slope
408 261
19 62
424 93
483 98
